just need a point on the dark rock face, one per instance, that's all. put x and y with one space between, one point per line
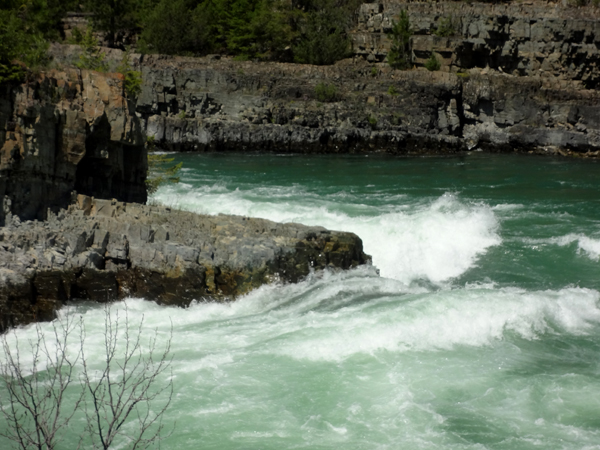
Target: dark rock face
224 105
66 131
102 250
515 77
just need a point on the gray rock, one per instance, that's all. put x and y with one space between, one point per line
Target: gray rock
199 258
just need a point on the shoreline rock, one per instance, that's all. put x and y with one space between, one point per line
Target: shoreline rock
68 130
103 250
217 106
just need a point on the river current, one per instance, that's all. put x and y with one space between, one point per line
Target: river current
476 327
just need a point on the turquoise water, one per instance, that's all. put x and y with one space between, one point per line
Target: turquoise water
477 327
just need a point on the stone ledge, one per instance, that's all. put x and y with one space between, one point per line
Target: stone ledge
103 250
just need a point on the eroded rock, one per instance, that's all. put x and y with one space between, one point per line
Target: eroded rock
103 250
67 130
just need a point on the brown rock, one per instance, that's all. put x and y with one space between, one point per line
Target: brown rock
65 131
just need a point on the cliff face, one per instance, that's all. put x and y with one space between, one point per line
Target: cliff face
218 105
524 39
66 131
515 76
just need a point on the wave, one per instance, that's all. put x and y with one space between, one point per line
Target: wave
335 316
445 320
586 245
433 239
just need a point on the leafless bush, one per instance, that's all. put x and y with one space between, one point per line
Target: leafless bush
36 390
126 386
122 398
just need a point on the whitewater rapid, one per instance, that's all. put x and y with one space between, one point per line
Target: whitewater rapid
435 240
477 326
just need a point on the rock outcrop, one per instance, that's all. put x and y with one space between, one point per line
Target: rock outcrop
64 131
521 38
521 76
203 104
102 250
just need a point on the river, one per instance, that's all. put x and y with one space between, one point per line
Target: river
476 327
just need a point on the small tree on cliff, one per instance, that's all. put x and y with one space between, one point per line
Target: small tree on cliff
160 168
124 389
399 54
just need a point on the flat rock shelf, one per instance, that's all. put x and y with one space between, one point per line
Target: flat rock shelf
102 250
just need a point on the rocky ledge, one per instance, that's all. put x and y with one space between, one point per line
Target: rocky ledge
102 250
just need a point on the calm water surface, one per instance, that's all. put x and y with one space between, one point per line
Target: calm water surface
481 332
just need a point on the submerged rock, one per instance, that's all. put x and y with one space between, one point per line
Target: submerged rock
103 250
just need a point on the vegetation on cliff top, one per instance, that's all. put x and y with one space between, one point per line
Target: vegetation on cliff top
24 30
304 31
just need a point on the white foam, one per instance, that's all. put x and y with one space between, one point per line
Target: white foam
435 240
586 245
589 246
448 319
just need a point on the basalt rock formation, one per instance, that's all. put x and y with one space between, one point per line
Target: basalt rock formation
528 38
224 105
520 76
514 76
65 131
102 250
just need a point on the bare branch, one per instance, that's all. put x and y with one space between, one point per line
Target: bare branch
35 394
125 391
124 401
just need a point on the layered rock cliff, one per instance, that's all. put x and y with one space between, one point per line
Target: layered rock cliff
519 76
64 131
514 77
520 38
218 105
102 250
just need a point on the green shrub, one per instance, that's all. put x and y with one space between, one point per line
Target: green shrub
133 78
21 47
326 92
169 28
113 16
160 168
92 57
399 54
445 27
392 91
372 121
432 64
322 40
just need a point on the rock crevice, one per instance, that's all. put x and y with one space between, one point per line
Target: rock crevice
68 130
